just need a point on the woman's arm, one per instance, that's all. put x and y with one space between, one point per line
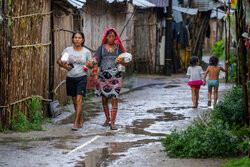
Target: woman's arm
120 61
66 66
98 54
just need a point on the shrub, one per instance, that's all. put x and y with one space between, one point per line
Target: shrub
230 110
218 50
23 124
219 133
199 142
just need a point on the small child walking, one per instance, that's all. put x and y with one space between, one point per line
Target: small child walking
195 72
213 80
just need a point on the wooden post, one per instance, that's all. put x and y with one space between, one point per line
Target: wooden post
237 48
216 24
229 37
51 58
169 42
225 48
243 60
4 63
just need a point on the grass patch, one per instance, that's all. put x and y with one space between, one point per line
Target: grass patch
242 162
21 123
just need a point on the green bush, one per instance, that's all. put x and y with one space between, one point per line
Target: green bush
219 133
22 124
218 50
231 110
198 142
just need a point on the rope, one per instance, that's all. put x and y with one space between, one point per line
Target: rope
34 14
27 98
33 45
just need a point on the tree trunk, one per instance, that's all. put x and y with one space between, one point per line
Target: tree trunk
200 25
243 60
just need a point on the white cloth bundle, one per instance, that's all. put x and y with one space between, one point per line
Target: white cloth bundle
65 58
127 58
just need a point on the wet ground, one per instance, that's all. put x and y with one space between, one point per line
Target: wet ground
156 106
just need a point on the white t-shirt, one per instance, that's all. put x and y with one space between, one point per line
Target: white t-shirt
195 73
78 59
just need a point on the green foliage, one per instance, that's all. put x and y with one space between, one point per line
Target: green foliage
242 162
198 142
219 133
230 110
218 50
232 68
23 124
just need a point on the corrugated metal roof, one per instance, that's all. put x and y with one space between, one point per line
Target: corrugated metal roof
159 3
205 5
77 3
140 3
143 3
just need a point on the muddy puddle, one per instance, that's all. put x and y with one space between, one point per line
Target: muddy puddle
113 151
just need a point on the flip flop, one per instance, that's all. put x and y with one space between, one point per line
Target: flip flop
79 126
74 128
113 127
106 124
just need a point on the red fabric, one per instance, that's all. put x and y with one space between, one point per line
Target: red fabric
195 86
117 40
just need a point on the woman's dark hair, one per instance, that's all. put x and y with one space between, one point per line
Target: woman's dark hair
213 61
78 32
110 31
194 60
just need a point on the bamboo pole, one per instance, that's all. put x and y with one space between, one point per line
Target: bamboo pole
243 61
229 36
216 24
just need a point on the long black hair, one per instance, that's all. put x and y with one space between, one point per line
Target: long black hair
213 61
194 60
81 33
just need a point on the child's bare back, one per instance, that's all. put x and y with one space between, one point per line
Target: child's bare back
214 72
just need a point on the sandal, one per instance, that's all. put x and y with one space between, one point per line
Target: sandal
79 126
113 127
106 123
209 103
74 128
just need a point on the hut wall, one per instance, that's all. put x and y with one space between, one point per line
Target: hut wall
98 16
145 41
3 55
62 40
28 66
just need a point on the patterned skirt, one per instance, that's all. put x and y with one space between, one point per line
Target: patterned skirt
109 83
